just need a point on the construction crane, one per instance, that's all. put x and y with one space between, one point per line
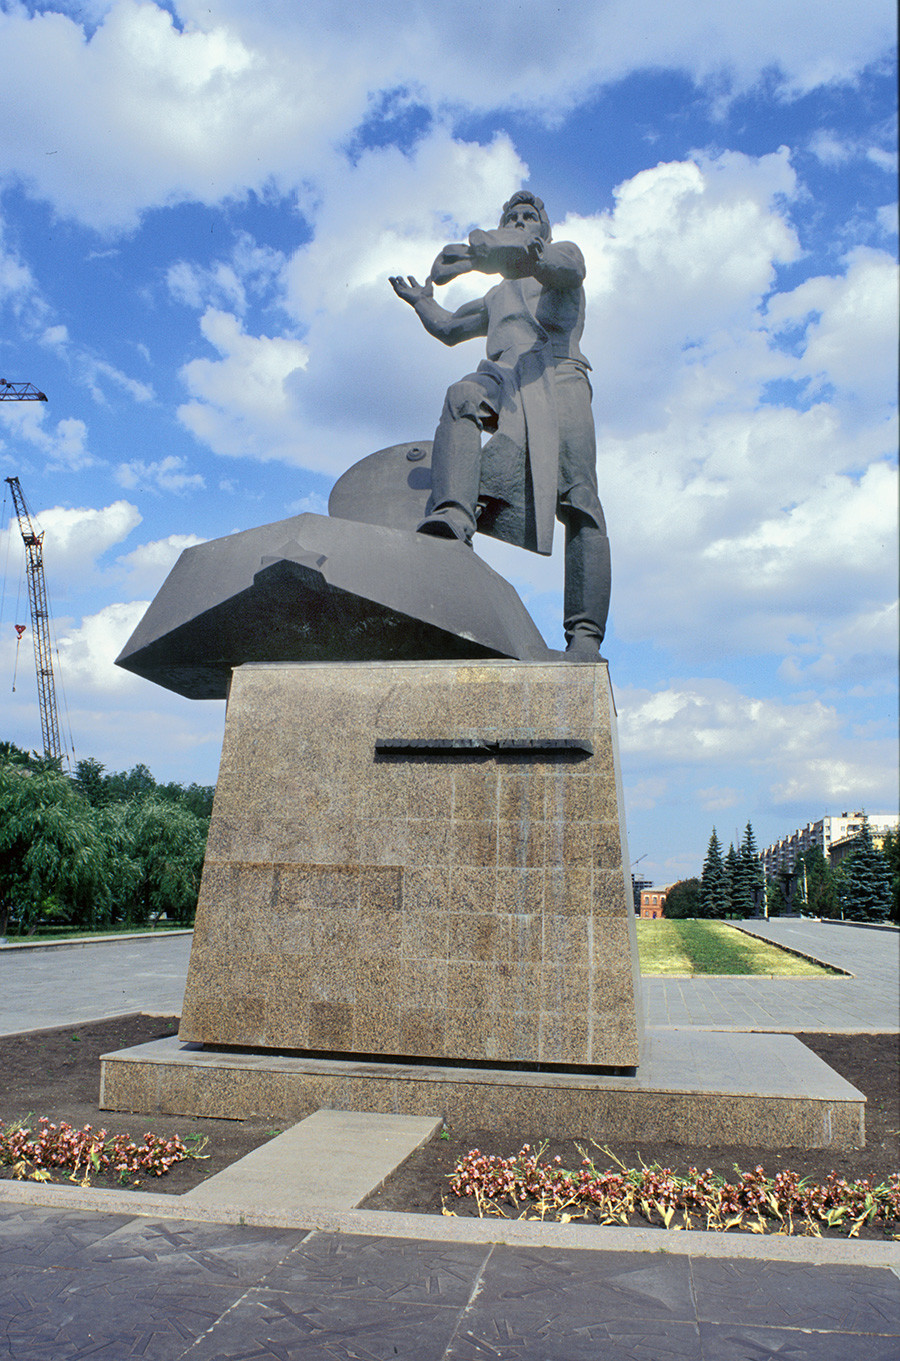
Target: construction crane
37 589
19 392
40 623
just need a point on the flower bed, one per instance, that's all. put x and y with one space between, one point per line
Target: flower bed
526 1187
86 1152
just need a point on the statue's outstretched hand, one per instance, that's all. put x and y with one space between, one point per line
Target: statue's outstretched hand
410 290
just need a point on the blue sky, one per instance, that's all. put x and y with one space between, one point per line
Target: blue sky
200 205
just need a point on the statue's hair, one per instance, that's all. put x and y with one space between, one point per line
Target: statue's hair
526 196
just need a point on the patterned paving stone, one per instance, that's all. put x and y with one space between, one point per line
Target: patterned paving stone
267 1326
526 1335
384 1269
30 1236
799 1295
725 1342
608 1286
191 1252
570 1305
67 1315
75 1286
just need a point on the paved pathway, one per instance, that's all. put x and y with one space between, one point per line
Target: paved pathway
868 1000
68 984
109 1287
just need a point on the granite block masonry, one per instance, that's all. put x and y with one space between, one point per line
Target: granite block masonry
419 860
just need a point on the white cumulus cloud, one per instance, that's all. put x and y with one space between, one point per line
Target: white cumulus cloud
75 540
801 749
165 474
229 96
146 567
88 652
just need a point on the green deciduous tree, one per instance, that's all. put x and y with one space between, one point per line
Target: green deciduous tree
91 782
94 849
167 843
683 899
52 853
197 798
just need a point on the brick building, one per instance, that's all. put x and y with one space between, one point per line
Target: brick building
653 900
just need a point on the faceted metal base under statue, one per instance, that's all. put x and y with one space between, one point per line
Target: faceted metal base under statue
315 588
419 860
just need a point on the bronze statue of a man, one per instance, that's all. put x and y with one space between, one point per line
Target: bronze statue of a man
533 397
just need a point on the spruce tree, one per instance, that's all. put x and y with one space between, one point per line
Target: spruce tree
753 878
733 882
713 895
865 881
821 892
891 852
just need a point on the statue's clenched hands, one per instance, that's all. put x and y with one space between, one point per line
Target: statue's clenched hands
410 290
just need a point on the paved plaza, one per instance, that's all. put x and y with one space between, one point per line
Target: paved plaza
68 984
55 985
868 999
100 1275
110 1287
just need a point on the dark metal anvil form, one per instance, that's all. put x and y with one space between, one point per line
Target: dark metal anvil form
318 588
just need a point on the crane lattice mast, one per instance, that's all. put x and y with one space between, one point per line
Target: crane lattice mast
20 392
40 619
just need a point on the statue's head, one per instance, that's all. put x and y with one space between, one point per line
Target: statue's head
525 204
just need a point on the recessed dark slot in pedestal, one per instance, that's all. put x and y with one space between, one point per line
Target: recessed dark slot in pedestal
538 747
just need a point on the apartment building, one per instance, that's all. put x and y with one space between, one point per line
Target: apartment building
830 831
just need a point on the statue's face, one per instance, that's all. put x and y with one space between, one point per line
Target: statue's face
523 216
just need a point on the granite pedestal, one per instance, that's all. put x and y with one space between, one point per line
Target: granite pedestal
692 1087
415 900
419 860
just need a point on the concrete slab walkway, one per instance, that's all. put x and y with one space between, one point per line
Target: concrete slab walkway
107 1286
331 1160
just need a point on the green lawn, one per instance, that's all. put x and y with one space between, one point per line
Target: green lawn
49 933
713 947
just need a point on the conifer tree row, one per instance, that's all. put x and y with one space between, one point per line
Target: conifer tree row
864 887
731 885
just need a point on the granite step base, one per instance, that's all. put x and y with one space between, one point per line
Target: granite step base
692 1087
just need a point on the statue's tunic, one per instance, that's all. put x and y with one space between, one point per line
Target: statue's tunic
532 390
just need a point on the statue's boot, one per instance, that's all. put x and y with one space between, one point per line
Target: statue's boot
455 469
447 522
587 587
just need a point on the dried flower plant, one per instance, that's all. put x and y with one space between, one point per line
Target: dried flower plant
527 1187
87 1152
